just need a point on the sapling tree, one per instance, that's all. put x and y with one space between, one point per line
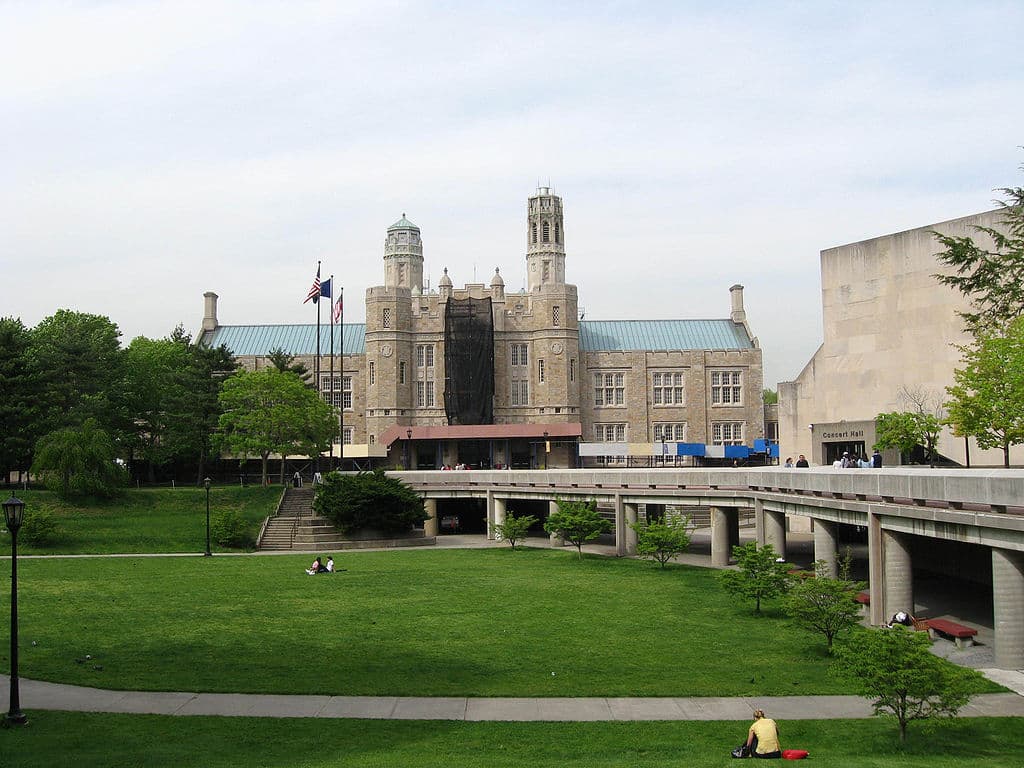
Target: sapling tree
514 528
661 541
577 522
824 605
760 575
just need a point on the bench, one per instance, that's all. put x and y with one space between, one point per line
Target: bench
864 598
963 636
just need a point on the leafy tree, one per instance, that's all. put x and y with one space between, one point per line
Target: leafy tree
987 400
662 540
991 280
79 461
80 365
19 402
769 396
824 605
369 500
906 430
285 363
514 528
269 412
154 383
577 522
229 529
759 577
896 668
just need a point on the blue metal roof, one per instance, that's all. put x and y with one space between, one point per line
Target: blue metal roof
293 339
660 335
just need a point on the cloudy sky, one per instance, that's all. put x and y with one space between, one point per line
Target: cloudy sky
154 151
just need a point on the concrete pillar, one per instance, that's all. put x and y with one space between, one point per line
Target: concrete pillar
554 539
899 575
490 515
775 531
1008 607
825 546
719 537
759 533
631 517
620 527
430 524
499 515
876 571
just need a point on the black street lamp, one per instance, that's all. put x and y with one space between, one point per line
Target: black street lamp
14 515
408 439
546 449
206 482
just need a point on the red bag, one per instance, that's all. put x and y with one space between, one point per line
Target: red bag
794 754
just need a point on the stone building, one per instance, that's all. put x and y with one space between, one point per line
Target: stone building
479 376
890 328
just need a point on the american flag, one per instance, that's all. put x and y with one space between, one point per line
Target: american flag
314 292
337 311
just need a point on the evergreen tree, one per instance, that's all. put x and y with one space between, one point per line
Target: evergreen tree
19 398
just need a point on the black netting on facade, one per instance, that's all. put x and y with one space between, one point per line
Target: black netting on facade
469 361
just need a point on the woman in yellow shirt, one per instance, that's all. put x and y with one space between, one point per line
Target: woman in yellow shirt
763 737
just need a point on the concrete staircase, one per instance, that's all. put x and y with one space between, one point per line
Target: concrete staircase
296 507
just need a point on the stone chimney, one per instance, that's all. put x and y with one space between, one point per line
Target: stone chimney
738 314
210 311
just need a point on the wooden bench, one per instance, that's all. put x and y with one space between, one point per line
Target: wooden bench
963 636
864 598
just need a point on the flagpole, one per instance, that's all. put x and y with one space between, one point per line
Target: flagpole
341 411
317 366
330 464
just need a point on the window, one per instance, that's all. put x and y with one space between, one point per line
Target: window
556 315
372 374
401 371
401 275
572 369
373 439
346 391
330 389
558 232
533 232
540 370
609 389
519 354
668 389
726 388
727 433
546 232
520 394
424 355
346 438
385 317
547 272
670 433
610 433
424 394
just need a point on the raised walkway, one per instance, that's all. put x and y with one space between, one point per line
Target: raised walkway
72 698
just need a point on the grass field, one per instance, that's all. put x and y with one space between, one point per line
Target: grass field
534 622
111 741
146 520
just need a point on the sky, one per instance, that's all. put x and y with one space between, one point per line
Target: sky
153 151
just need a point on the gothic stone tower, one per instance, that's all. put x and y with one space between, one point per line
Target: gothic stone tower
545 243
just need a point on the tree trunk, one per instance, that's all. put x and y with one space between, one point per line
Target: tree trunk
903 731
1006 456
263 463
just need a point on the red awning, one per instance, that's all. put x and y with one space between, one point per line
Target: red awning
482 432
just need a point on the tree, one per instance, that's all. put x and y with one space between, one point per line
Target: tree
285 363
824 605
577 522
987 400
368 500
906 430
153 386
663 540
759 576
991 280
19 429
769 396
269 412
79 461
897 669
514 528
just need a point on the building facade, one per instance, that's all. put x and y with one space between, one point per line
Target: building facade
485 378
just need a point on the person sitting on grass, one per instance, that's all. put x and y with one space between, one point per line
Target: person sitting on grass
763 737
315 567
329 568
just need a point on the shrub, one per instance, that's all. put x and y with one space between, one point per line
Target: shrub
229 529
369 500
577 522
663 540
514 528
39 528
761 576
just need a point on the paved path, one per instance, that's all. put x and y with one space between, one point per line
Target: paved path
55 696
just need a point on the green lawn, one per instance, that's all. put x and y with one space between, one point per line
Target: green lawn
534 622
111 741
146 520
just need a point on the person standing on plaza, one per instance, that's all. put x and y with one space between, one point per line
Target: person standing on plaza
802 463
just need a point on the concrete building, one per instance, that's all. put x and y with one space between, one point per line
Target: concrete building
889 328
479 376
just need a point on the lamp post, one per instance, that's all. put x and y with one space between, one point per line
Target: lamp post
408 439
14 515
546 449
206 483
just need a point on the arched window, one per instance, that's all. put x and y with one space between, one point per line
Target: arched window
546 232
533 232
558 232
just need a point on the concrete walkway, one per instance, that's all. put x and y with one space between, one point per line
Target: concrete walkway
54 696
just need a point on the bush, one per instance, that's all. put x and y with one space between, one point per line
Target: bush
514 528
577 522
369 500
229 529
39 528
663 540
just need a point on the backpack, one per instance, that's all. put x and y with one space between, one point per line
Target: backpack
741 751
